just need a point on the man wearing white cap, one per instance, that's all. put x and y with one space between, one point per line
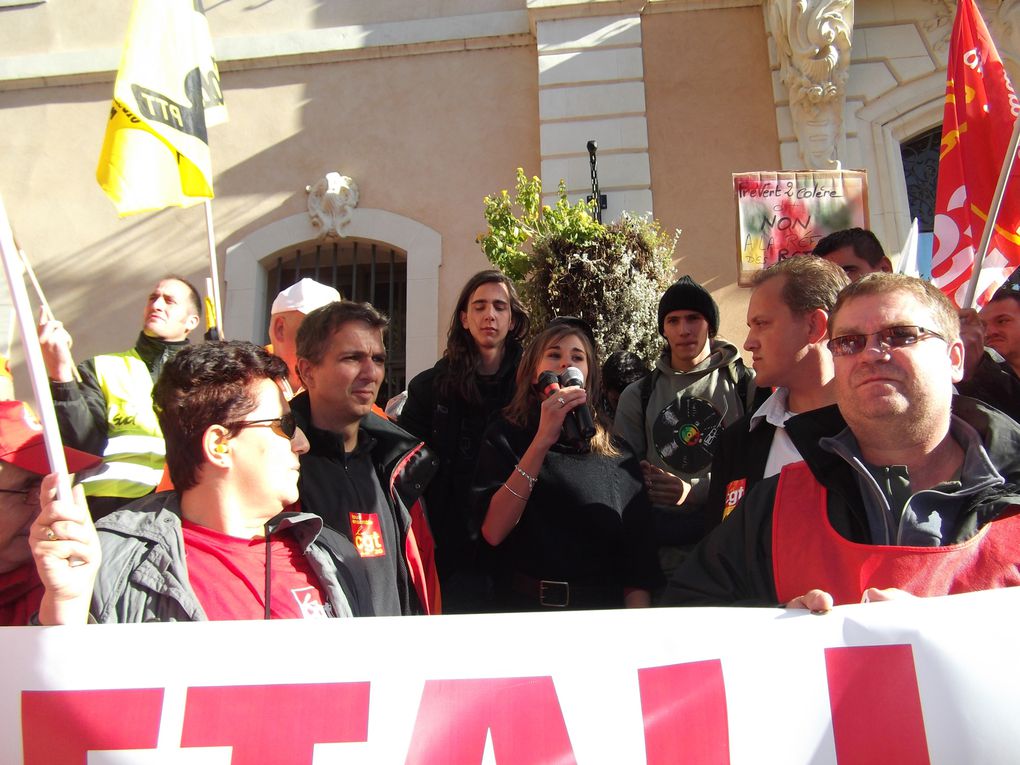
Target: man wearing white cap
288 311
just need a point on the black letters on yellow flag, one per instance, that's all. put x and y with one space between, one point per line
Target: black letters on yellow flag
156 149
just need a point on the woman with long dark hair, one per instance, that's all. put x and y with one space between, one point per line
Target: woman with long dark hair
569 518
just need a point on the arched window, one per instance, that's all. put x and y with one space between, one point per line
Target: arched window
363 271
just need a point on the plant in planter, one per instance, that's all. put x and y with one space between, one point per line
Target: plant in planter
610 276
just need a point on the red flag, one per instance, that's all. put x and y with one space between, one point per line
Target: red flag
977 125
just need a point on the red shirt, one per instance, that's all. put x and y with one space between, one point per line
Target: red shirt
228 575
20 595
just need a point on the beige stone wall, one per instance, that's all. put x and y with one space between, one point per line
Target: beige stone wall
432 104
425 134
710 114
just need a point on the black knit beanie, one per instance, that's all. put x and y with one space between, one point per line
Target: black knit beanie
687 295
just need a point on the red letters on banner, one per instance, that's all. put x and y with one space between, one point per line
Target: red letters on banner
873 696
286 720
61 727
876 705
687 727
522 713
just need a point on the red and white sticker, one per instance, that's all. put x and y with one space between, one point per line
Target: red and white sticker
734 493
367 535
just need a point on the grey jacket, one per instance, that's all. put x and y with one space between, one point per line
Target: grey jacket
144 577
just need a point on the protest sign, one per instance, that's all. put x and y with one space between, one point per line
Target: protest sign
784 214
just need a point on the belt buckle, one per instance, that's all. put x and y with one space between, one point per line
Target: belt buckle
553 594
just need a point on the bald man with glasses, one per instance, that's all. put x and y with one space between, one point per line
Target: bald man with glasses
905 489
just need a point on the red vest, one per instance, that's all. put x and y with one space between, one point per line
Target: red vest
807 553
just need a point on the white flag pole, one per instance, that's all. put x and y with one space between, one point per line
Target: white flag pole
13 269
213 269
993 214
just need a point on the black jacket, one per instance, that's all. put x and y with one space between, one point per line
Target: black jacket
733 565
334 484
740 453
453 429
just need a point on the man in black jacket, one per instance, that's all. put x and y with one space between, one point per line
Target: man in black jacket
787 331
107 410
449 406
362 474
903 489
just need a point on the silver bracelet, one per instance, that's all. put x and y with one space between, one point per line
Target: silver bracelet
507 487
531 481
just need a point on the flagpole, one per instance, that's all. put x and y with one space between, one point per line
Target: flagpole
993 213
213 268
13 269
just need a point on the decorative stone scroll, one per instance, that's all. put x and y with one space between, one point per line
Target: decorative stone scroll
813 44
331 202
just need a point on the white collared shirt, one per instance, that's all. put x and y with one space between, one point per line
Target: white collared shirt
775 412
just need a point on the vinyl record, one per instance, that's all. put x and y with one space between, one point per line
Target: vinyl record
685 434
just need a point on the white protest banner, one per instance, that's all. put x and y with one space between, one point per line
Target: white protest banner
916 681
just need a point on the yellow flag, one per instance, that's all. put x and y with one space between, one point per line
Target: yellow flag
156 149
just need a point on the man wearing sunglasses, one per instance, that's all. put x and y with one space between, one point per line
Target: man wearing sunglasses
904 489
232 449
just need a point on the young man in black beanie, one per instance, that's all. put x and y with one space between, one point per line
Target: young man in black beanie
672 418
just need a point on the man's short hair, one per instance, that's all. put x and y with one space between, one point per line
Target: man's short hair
927 294
205 385
194 299
1008 291
863 242
319 326
811 282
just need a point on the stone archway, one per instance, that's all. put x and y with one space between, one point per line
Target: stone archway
246 267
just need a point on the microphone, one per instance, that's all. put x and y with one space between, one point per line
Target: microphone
581 416
548 385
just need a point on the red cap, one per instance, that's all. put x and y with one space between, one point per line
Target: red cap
22 443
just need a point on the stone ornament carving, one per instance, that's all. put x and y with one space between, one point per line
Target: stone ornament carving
331 202
813 43
1002 18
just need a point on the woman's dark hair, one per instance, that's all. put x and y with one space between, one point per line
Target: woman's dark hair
523 409
205 385
461 352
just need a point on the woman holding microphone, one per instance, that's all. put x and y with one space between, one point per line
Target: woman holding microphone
563 505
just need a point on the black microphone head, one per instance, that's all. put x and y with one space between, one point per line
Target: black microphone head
546 379
572 376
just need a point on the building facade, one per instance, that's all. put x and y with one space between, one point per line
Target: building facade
428 106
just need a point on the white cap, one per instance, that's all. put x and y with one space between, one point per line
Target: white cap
305 296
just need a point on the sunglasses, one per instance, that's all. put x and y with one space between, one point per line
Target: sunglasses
890 337
30 495
284 425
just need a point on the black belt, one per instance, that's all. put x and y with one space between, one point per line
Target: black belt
550 593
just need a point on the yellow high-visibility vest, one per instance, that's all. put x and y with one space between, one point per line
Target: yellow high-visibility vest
135 452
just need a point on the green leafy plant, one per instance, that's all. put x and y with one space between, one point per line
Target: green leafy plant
566 263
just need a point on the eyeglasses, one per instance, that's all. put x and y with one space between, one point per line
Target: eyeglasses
284 425
890 337
29 496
